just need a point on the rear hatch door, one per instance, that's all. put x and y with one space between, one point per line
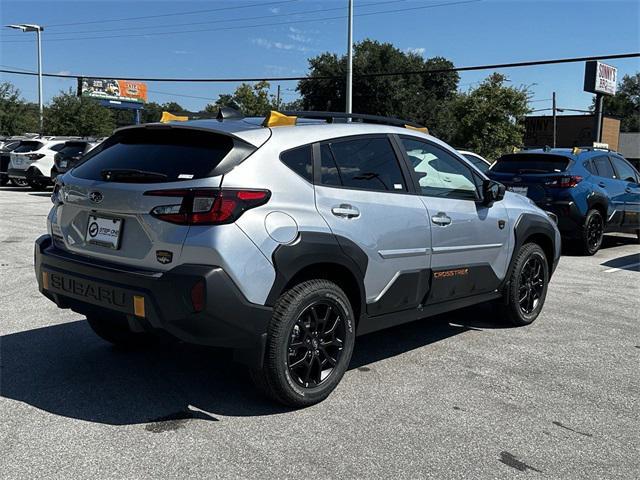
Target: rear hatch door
105 213
533 175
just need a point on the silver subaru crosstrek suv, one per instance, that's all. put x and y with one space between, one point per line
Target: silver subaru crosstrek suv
285 238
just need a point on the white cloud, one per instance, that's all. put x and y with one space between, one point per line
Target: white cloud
268 44
417 50
274 10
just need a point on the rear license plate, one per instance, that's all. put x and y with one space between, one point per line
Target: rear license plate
17 162
519 190
104 231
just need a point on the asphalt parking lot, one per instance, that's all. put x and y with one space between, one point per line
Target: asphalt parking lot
455 396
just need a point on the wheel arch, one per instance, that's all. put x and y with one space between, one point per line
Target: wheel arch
533 228
321 255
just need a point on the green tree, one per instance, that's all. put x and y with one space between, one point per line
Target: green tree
69 114
419 97
16 115
625 104
489 120
252 100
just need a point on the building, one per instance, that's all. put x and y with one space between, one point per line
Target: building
572 131
630 147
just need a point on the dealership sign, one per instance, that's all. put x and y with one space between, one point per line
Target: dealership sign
600 78
109 89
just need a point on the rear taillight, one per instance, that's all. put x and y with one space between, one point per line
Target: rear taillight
207 206
34 156
568 181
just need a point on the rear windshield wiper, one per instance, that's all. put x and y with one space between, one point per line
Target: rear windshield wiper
131 175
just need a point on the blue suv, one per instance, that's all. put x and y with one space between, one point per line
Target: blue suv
591 191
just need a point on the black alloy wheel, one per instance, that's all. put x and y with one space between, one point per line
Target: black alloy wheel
595 230
316 343
531 284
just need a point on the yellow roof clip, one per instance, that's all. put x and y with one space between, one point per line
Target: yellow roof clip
575 151
277 119
424 130
170 117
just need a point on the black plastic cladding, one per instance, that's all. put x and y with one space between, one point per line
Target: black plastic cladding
528 225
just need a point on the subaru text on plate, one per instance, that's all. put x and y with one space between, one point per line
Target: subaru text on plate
284 238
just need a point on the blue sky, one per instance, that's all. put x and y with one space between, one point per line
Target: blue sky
483 32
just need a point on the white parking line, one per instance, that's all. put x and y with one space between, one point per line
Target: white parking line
631 265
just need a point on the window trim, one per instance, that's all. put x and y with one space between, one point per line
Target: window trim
416 182
317 167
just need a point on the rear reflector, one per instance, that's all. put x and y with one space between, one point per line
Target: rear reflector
45 280
207 206
138 306
198 296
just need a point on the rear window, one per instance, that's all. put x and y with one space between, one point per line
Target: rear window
530 163
170 154
28 146
477 162
73 149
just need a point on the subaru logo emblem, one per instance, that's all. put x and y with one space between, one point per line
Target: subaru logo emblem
95 197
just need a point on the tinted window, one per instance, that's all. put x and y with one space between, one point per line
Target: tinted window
300 161
72 149
28 146
625 171
57 147
368 163
603 167
590 168
477 162
530 163
180 154
439 173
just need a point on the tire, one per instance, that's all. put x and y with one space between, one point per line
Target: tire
115 329
19 182
530 276
312 326
592 233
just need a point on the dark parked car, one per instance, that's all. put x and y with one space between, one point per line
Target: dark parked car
591 191
69 156
5 157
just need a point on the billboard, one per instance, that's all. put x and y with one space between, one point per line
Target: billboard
600 78
109 89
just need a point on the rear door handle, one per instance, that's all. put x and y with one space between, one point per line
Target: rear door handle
345 211
441 219
628 190
602 184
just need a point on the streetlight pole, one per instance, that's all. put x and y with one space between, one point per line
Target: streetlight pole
350 59
555 124
26 27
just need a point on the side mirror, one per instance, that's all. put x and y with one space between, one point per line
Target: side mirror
492 192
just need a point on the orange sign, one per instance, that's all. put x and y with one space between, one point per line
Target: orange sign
110 89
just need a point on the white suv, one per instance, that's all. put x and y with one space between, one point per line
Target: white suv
33 159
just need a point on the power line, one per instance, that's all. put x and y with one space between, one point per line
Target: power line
175 14
288 22
226 20
494 66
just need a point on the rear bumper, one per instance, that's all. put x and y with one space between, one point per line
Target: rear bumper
570 218
32 173
87 286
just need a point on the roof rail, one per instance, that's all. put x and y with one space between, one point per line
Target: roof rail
341 117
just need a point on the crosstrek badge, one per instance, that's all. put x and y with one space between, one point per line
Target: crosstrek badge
164 256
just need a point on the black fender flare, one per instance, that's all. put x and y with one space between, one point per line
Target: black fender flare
313 248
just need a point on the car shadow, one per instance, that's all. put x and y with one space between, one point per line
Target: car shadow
67 370
608 241
628 262
41 194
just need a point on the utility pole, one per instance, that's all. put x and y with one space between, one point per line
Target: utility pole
598 119
555 124
278 98
27 27
350 59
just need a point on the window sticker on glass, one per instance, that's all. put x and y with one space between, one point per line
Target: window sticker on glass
186 176
398 186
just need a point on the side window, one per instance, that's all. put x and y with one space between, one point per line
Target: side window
604 167
625 171
439 173
57 148
588 164
300 160
366 163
